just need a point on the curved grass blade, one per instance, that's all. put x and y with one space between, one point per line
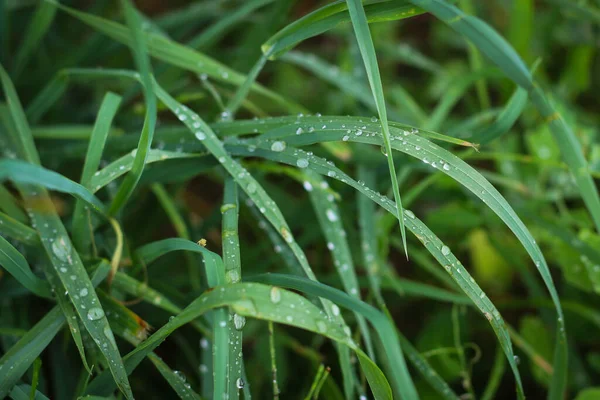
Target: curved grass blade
81 227
441 252
262 302
17 231
328 17
124 164
506 119
380 322
143 65
367 51
504 56
215 274
17 360
25 173
16 265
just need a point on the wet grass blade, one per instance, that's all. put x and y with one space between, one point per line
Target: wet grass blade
179 385
329 217
66 262
330 16
17 360
367 50
16 265
145 72
262 302
81 224
233 274
380 322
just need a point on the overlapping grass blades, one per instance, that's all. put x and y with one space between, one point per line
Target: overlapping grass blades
503 55
367 51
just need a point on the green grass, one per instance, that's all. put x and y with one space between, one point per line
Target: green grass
202 199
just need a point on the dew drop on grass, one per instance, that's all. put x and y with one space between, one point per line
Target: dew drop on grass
331 215
307 186
251 188
446 167
330 246
95 314
278 146
233 276
302 162
239 383
445 250
203 343
239 321
180 375
321 326
409 214
61 249
345 138
275 295
335 310
83 292
200 135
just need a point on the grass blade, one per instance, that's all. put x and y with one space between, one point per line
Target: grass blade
16 265
17 360
82 233
143 64
367 50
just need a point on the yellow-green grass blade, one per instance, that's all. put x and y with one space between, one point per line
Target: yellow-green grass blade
17 360
81 218
16 265
262 302
142 62
367 51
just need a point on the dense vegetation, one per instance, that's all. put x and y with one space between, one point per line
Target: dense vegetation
299 199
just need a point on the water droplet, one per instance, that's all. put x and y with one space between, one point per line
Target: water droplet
83 292
278 146
331 215
359 132
302 162
95 314
180 375
335 310
517 360
445 250
446 167
239 383
239 321
233 276
200 135
299 131
61 249
373 119
251 188
409 214
321 326
275 295
330 246
345 138
203 343
307 186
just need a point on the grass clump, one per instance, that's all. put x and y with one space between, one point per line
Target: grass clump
222 198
